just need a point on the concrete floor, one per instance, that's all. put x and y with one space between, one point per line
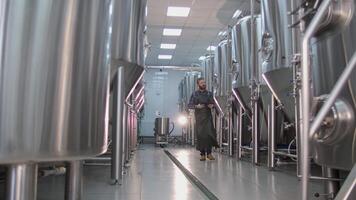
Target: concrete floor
152 175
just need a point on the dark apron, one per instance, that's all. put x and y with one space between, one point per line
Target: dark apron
204 128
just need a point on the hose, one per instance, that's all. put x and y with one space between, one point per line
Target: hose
289 147
173 126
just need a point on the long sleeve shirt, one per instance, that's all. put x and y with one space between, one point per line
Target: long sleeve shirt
201 97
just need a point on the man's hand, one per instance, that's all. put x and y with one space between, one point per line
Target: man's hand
199 106
211 105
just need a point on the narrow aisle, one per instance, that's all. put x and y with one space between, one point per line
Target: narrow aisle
229 179
151 176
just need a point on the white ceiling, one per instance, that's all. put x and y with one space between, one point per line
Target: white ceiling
200 29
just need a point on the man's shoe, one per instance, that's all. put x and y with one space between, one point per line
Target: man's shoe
202 158
210 157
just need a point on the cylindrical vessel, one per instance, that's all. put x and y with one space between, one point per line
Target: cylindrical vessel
276 34
241 49
208 65
242 68
162 126
54 78
225 68
337 136
217 71
129 30
277 52
128 38
190 84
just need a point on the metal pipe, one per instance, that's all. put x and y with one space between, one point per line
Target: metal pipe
254 90
255 134
297 107
193 130
270 159
306 94
348 189
125 136
96 164
231 135
331 187
296 35
284 154
22 182
219 129
246 148
324 178
179 68
117 134
99 159
73 185
318 120
273 129
239 132
138 95
238 99
134 86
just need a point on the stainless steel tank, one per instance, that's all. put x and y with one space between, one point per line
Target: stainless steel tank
162 130
162 126
223 73
277 52
208 65
242 70
128 36
276 34
54 78
335 144
241 51
226 68
217 71
191 84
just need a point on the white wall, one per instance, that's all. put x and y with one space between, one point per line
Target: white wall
161 94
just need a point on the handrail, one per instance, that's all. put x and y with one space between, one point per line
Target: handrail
310 31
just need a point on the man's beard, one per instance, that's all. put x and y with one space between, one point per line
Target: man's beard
202 87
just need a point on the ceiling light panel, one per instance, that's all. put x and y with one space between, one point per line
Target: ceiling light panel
178 11
202 57
164 57
172 31
237 13
168 46
211 48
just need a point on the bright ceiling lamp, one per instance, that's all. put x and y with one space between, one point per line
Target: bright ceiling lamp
202 57
182 120
164 57
221 33
168 46
172 31
178 11
237 14
211 48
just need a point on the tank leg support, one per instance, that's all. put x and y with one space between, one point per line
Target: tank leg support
271 134
239 132
117 128
74 175
22 182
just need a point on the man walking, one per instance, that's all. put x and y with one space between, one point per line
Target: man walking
202 102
